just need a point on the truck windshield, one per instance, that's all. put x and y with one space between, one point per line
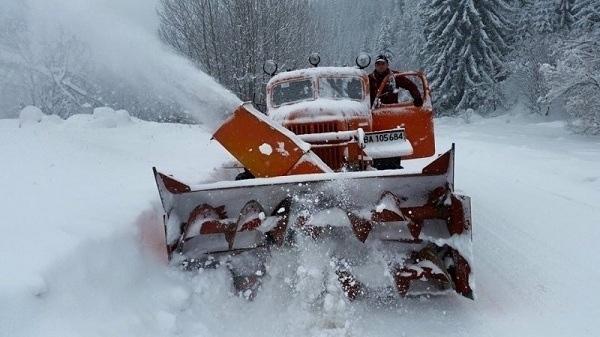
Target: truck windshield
293 91
341 88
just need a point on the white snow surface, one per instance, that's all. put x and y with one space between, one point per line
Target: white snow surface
81 239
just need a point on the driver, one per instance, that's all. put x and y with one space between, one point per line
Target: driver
378 75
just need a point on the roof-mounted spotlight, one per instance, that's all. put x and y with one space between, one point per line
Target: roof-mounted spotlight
363 60
314 59
270 67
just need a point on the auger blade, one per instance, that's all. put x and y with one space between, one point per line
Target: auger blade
397 206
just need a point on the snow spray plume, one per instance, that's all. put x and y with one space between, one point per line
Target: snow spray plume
122 38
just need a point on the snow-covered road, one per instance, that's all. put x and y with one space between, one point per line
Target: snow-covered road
80 208
535 193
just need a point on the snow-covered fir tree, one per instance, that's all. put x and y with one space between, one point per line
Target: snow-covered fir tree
466 42
536 23
543 18
565 11
534 18
385 38
587 15
409 34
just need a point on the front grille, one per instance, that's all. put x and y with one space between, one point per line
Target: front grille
331 154
302 129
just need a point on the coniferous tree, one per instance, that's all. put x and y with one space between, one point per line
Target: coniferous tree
543 20
535 27
565 11
385 40
587 15
348 27
409 34
466 42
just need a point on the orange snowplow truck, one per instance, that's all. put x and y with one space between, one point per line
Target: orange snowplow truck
323 164
329 108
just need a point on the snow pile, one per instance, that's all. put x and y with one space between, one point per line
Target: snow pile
107 117
103 117
30 115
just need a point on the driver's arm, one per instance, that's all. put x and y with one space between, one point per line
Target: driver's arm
405 83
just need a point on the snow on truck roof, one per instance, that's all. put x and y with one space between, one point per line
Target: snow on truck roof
317 72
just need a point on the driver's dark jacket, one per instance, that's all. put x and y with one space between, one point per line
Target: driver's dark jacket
403 82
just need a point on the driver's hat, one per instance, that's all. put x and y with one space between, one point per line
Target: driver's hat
381 58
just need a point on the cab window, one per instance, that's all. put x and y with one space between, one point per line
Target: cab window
292 91
341 88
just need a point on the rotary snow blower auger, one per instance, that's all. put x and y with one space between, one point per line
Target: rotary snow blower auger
323 164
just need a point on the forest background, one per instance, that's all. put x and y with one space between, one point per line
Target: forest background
480 56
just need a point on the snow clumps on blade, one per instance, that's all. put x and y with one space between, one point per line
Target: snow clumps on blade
266 149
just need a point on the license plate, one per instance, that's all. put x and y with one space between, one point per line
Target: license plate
384 136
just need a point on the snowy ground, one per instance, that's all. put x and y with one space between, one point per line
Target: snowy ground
79 254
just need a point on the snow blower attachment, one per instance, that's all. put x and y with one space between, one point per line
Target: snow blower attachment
323 166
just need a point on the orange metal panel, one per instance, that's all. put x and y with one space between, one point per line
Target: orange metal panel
258 144
263 147
418 124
